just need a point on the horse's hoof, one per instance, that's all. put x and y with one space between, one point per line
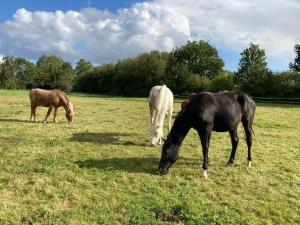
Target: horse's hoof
249 164
228 165
205 175
44 121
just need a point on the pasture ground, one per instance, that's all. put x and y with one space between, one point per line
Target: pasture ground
101 169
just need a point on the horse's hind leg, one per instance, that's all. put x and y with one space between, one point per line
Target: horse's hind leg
33 111
55 113
48 113
169 118
234 142
249 136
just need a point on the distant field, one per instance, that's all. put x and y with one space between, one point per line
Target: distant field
101 169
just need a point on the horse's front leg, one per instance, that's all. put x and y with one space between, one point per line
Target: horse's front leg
205 136
55 114
234 142
48 113
33 111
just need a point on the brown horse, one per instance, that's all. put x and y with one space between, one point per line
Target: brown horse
52 99
185 102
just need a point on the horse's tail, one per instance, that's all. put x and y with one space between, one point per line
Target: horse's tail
248 107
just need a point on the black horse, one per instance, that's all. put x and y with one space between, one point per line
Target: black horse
208 112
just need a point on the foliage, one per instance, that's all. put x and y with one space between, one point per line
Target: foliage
295 66
176 77
136 76
286 84
54 73
253 75
26 73
224 81
192 67
82 68
8 72
199 57
102 170
196 83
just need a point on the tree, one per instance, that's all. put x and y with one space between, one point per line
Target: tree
54 72
223 81
83 68
26 73
8 73
253 75
287 84
135 76
295 66
199 57
196 83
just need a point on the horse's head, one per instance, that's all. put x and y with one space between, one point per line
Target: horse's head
168 157
156 134
70 112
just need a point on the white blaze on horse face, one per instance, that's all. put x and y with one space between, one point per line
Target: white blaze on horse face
156 133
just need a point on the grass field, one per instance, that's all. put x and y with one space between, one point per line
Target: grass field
101 169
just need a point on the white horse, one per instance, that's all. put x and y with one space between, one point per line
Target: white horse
161 105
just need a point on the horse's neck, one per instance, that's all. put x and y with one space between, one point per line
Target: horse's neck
64 101
180 129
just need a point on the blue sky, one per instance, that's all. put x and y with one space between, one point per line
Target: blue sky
106 31
9 7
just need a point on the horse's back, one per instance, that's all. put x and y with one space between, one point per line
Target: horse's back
43 97
224 110
160 96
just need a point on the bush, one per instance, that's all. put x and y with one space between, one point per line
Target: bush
224 81
197 83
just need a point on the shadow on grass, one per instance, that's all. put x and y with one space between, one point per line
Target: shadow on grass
28 121
132 165
16 120
104 138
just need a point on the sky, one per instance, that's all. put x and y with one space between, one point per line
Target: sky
107 31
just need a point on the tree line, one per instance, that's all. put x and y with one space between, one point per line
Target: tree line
192 67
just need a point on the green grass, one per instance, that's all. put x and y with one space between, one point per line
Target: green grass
101 169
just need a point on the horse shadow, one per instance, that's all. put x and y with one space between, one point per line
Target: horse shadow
131 165
29 121
113 138
16 120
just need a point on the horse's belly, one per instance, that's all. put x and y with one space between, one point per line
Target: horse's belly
225 125
221 129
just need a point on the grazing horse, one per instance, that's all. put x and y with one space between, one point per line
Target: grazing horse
209 112
52 99
161 105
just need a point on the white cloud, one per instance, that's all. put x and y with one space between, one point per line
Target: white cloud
233 24
102 36
96 35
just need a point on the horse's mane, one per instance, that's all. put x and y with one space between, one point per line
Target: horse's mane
63 93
